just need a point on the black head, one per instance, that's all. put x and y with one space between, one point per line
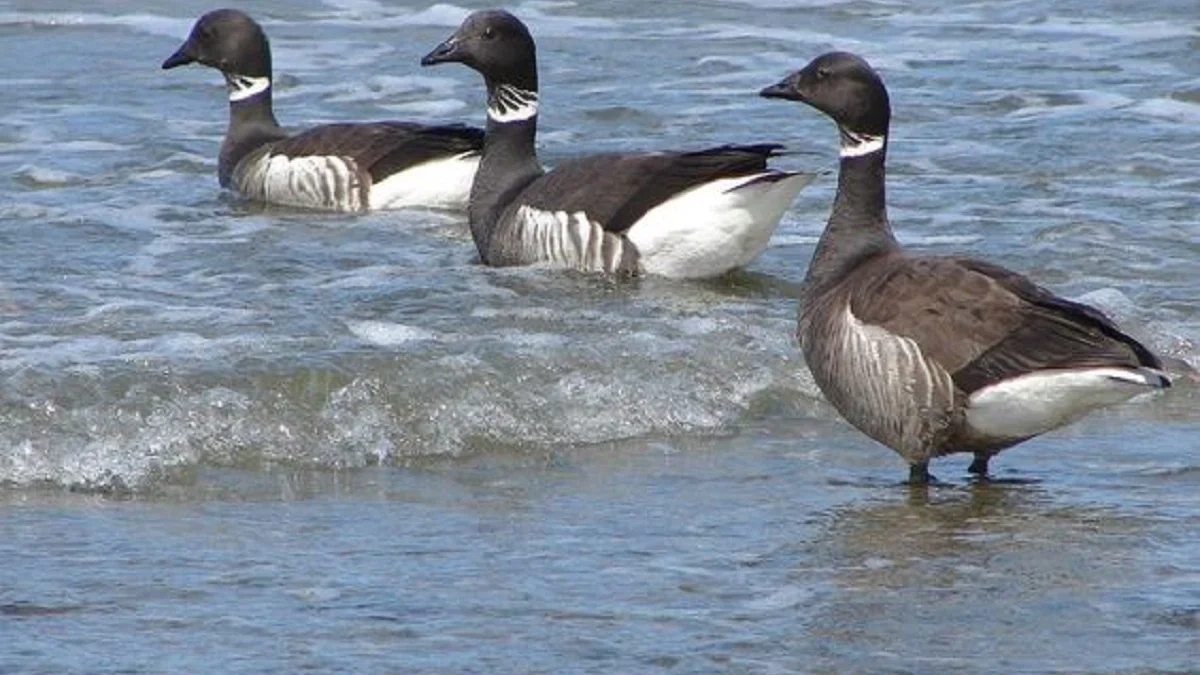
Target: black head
496 44
843 86
228 40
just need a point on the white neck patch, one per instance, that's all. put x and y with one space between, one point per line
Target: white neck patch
855 144
510 104
242 87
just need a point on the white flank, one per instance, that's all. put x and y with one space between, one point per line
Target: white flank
714 227
441 183
889 389
885 361
1038 402
242 87
313 182
567 240
857 145
510 104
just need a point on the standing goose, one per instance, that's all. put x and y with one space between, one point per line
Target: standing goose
936 355
674 214
341 167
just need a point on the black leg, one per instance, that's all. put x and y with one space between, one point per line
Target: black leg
979 467
918 474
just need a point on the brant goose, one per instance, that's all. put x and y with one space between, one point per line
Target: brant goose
935 355
343 167
675 214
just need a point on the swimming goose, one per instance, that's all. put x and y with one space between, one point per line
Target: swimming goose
341 167
675 214
935 355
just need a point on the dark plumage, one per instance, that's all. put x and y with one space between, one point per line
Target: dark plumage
678 214
382 148
616 190
341 166
934 355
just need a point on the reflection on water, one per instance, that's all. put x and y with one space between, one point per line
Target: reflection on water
947 576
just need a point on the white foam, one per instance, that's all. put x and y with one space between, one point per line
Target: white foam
438 14
1182 112
959 240
356 7
523 313
90 146
387 334
1122 31
388 88
433 109
786 597
152 24
1109 300
355 12
95 350
45 177
1069 102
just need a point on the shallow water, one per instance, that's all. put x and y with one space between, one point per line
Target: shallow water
263 440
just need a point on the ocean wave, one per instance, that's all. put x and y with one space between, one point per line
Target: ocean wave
151 24
97 410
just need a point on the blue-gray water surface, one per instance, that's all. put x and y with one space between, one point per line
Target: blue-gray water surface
240 439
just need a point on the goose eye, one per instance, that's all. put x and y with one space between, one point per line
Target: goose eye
823 73
488 33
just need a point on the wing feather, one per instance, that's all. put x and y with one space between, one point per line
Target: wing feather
984 323
616 190
382 148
